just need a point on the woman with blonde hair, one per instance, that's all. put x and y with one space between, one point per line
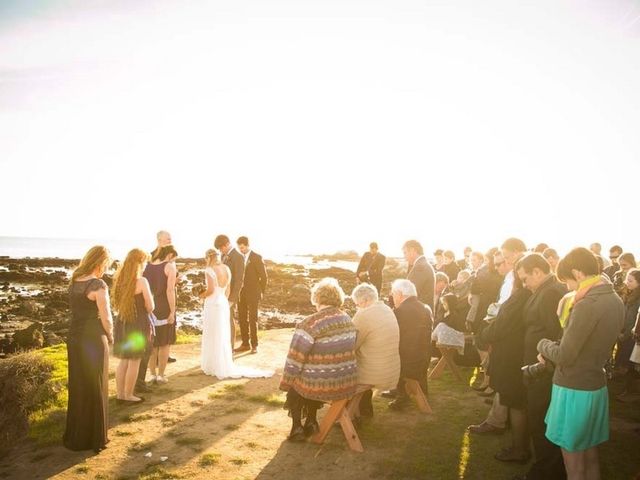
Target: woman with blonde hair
90 333
133 302
216 357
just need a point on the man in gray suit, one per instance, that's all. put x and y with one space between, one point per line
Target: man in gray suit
235 261
420 272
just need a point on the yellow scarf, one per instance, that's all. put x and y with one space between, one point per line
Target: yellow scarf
570 299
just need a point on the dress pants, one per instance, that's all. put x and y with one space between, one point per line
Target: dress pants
498 414
248 320
548 464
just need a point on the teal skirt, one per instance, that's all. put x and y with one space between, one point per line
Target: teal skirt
578 419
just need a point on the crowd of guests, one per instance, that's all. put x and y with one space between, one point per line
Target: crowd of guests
543 328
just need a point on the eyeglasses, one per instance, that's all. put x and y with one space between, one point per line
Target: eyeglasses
614 257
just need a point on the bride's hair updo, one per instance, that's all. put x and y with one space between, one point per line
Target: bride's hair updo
212 257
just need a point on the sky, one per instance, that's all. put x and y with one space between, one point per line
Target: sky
318 126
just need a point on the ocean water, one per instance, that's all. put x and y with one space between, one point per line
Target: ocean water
75 248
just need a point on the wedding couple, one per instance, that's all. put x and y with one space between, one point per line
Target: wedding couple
224 288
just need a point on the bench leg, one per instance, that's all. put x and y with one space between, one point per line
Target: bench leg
452 365
353 406
350 433
417 395
438 369
329 419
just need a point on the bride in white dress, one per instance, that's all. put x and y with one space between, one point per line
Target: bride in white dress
216 357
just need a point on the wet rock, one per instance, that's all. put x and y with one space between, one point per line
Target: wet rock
51 339
30 337
28 308
300 293
190 330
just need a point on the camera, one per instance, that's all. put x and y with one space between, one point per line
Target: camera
536 371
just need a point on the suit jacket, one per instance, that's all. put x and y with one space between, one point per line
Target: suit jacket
505 334
235 261
255 278
541 317
373 266
414 322
422 276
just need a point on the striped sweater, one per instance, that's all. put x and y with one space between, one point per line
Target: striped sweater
321 364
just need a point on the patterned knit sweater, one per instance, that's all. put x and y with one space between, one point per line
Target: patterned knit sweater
321 364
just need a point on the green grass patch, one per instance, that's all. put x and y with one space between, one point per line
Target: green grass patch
209 459
46 424
233 387
183 338
239 461
236 409
82 469
33 393
139 446
272 399
155 472
135 417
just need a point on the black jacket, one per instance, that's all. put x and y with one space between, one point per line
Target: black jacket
373 266
415 322
422 276
505 334
487 285
541 317
255 278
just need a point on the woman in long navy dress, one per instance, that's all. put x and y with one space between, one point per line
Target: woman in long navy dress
90 333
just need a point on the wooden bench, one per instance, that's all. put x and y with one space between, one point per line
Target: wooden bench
447 359
417 395
343 411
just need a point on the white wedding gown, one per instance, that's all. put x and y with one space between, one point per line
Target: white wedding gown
216 357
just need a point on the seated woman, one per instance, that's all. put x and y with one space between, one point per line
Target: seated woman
377 344
450 332
321 364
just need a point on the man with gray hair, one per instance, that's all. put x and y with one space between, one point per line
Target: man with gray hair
414 322
377 344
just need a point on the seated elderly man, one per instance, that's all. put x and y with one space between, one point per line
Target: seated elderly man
377 343
414 321
321 363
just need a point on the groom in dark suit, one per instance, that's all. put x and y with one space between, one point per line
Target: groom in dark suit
235 261
254 285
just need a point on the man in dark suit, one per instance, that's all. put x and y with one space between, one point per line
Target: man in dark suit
420 272
371 266
540 321
253 287
235 261
415 322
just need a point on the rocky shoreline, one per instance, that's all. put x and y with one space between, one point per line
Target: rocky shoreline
34 306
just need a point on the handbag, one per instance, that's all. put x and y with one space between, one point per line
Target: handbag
635 355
